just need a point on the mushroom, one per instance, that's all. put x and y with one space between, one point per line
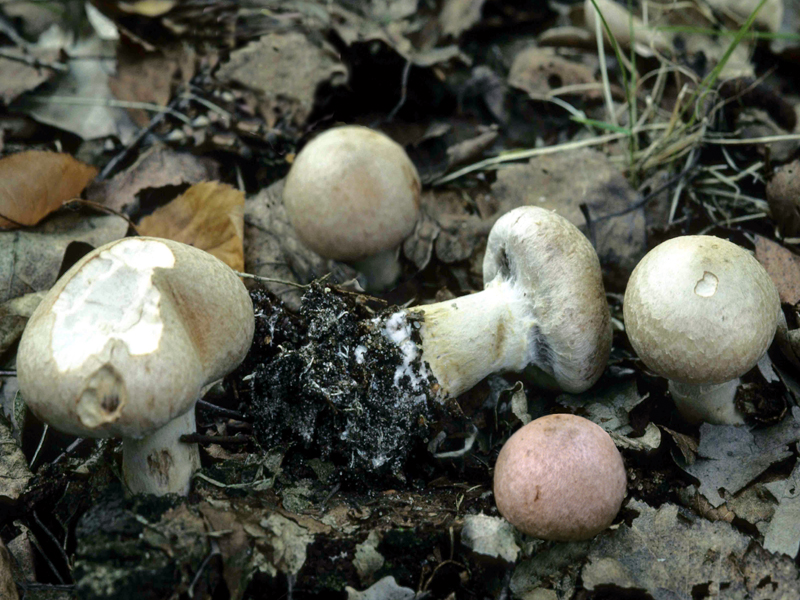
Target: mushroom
560 477
542 310
701 312
352 195
783 196
123 345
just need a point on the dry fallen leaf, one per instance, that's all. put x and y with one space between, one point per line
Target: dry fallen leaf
142 77
235 545
730 457
665 552
93 117
782 535
14 315
15 474
783 267
31 259
287 68
8 590
458 16
19 76
209 216
156 168
36 183
538 71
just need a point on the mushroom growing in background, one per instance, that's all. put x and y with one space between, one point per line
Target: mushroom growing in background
701 312
543 310
352 195
560 477
123 345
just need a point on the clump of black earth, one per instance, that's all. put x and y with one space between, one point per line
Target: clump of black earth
335 382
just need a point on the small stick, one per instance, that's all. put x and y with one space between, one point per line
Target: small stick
198 438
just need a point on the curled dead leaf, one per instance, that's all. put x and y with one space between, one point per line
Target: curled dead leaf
7 587
209 216
36 183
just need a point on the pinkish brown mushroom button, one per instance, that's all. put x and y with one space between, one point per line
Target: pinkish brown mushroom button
560 478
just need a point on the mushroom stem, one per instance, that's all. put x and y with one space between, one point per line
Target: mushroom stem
711 403
380 270
469 338
159 463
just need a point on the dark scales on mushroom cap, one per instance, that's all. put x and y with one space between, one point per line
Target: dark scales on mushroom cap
334 391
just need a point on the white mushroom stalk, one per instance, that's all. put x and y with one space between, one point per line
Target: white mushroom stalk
701 312
543 310
123 345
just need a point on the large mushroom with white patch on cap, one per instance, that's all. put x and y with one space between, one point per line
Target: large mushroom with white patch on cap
123 346
701 311
542 311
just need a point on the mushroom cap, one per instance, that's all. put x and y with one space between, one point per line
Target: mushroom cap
700 310
783 196
351 193
552 264
127 338
560 477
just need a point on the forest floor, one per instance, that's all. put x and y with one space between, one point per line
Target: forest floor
182 119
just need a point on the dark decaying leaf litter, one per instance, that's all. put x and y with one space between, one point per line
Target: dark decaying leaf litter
339 390
332 467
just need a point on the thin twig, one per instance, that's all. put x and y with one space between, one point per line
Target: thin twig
198 438
110 102
104 208
330 495
35 62
726 222
112 164
8 29
53 538
229 486
225 412
214 552
38 546
207 104
69 449
523 154
640 203
302 286
767 139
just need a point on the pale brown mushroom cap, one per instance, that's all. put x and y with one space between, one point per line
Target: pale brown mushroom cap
351 193
126 349
561 478
700 310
